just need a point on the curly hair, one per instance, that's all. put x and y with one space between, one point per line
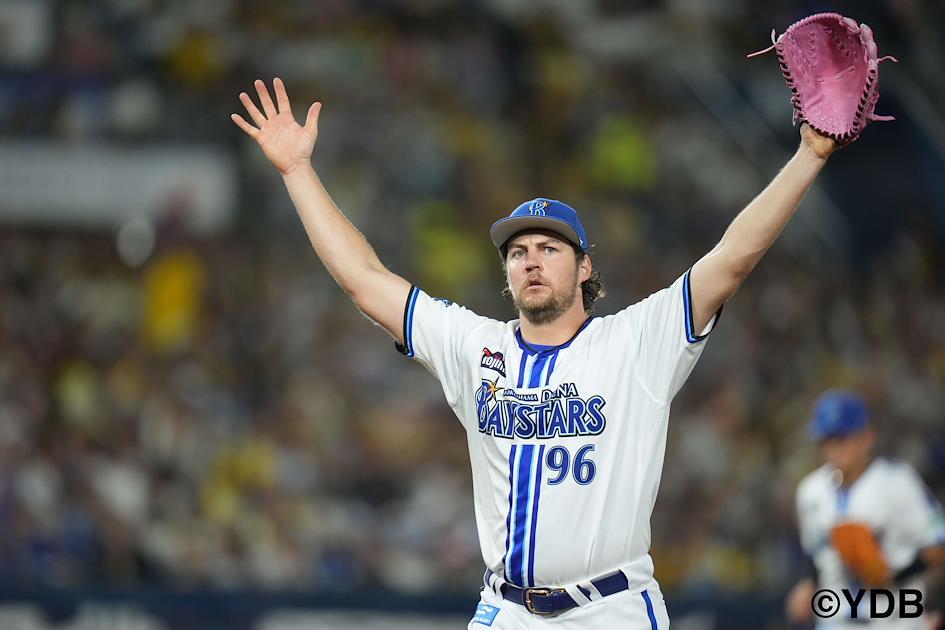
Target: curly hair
592 289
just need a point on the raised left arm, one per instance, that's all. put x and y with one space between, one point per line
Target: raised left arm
718 274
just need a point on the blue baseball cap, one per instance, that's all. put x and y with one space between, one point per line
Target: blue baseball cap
544 214
838 413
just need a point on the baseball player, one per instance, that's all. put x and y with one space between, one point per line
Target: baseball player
565 414
864 522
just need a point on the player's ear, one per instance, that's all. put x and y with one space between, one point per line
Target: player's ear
585 268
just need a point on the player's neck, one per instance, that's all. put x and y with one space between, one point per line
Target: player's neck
557 332
854 473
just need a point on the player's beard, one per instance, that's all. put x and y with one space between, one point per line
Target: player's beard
545 309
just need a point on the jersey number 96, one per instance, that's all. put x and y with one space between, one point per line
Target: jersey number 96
559 460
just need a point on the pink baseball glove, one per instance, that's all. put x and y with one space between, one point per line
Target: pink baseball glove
831 65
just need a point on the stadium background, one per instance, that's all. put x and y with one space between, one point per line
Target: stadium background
198 430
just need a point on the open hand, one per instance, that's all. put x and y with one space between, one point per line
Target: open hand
286 143
820 145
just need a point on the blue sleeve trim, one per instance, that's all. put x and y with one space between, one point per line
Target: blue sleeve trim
408 320
691 335
406 348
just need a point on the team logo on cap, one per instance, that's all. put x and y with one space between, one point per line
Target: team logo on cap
538 207
493 361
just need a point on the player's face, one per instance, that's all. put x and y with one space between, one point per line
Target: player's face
850 452
544 276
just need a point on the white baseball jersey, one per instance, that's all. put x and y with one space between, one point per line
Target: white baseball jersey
892 500
566 442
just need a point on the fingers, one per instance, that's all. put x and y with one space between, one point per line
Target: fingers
269 109
245 126
267 105
311 120
251 108
282 99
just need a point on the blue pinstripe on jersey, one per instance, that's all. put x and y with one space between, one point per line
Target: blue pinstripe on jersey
524 467
534 516
537 368
531 517
843 499
525 479
551 368
508 518
512 519
521 368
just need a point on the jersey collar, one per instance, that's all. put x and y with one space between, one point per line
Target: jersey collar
530 350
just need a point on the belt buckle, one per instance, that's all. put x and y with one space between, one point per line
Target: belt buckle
528 600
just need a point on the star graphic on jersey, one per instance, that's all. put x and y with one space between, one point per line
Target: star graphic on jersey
494 387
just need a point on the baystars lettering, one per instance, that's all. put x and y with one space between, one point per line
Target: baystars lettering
550 413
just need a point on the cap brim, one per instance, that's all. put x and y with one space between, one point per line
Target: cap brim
504 229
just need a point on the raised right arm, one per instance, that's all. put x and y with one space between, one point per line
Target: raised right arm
344 251
347 255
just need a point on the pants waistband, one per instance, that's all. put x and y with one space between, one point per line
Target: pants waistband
547 601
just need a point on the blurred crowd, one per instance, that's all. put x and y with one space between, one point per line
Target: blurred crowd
220 414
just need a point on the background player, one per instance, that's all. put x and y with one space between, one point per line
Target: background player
566 415
883 495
